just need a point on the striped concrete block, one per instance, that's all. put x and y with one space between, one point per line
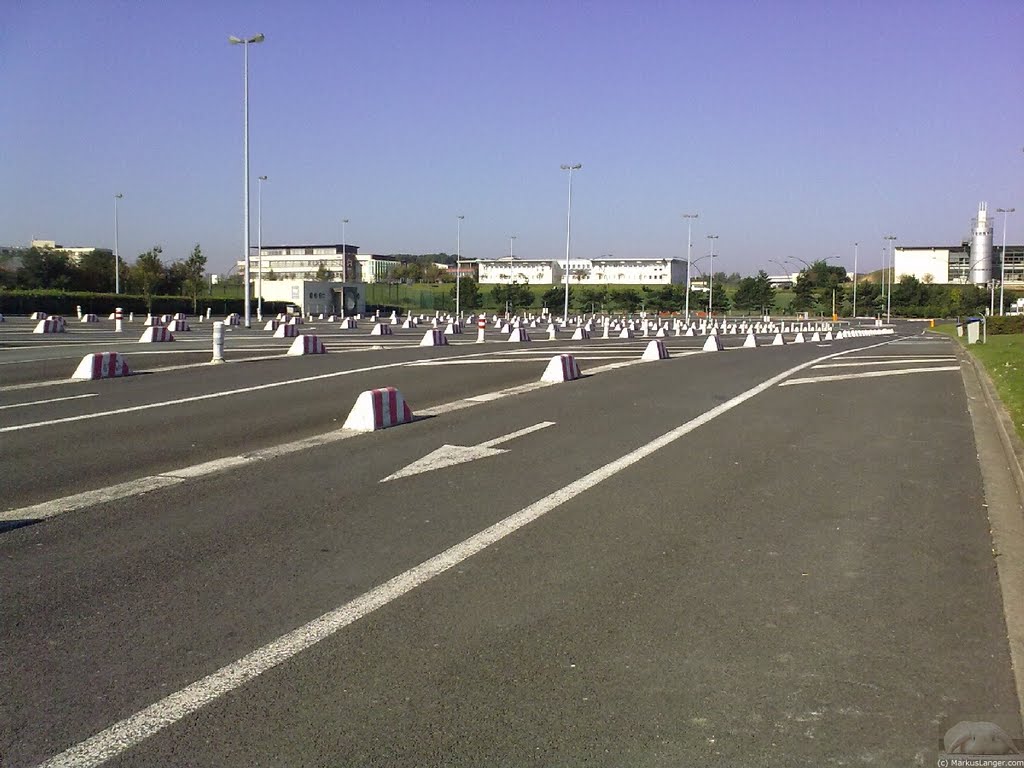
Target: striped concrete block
349 324
626 333
296 320
434 338
271 325
307 344
712 344
102 365
561 368
233 319
378 409
655 351
90 318
379 329
178 325
50 325
286 331
519 334
580 334
37 316
155 334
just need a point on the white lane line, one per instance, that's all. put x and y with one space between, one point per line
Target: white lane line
44 402
35 384
513 435
888 361
129 732
868 375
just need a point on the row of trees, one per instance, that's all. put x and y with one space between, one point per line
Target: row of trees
149 276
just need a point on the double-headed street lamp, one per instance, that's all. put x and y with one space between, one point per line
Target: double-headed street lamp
1002 259
344 254
568 232
689 247
458 268
711 272
259 247
117 265
244 42
856 249
892 259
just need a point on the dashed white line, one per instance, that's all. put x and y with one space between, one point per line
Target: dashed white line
44 402
868 375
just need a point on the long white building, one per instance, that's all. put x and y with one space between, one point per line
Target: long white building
605 270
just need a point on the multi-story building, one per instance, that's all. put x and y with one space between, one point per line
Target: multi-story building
74 252
302 262
975 260
375 269
604 270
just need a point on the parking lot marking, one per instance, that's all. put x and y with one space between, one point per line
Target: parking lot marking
44 402
867 375
134 729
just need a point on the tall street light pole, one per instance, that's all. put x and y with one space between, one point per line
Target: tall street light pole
1002 259
511 240
259 247
689 247
711 272
892 260
458 269
244 42
568 232
117 261
856 250
344 253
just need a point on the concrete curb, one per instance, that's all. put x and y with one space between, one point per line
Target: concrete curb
1001 456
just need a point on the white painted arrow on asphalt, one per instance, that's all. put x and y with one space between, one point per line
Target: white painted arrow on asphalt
450 455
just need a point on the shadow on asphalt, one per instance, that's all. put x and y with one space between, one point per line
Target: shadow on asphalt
13 525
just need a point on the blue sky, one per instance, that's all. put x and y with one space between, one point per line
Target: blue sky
793 128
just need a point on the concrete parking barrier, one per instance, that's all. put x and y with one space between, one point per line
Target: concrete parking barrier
37 316
156 334
176 326
655 350
561 368
519 334
89 318
827 336
286 331
751 341
296 320
2 320
50 325
233 319
712 344
307 344
102 365
434 337
799 338
271 325
626 333
378 409
580 334
348 324
379 329
779 340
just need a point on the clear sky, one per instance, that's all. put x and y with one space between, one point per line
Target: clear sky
793 128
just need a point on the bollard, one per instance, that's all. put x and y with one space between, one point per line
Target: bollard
481 326
131 317
118 312
208 310
78 309
218 342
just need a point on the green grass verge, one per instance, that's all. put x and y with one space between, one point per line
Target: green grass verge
1003 358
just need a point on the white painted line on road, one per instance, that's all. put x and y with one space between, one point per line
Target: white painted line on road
868 375
49 509
887 361
44 402
129 732
518 433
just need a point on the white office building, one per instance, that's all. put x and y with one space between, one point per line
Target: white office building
605 270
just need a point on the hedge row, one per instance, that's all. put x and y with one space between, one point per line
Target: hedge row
25 302
1006 325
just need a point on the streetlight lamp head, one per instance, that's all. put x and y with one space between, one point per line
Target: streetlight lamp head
118 195
234 40
262 178
258 38
572 167
461 217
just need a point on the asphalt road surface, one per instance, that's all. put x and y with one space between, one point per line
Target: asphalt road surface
773 556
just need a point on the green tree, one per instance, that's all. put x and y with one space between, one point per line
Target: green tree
45 268
195 276
589 299
323 273
95 271
469 294
625 299
554 297
513 295
803 299
148 274
755 294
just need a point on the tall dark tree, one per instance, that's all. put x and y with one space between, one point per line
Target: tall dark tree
195 276
148 274
515 296
469 294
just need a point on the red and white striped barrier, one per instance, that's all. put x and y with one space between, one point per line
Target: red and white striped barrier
561 368
165 319
434 338
102 365
378 409
580 333
50 325
156 334
179 316
349 324
379 329
176 326
89 319
37 316
233 319
626 333
307 344
296 320
286 331
519 334
655 351
271 325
